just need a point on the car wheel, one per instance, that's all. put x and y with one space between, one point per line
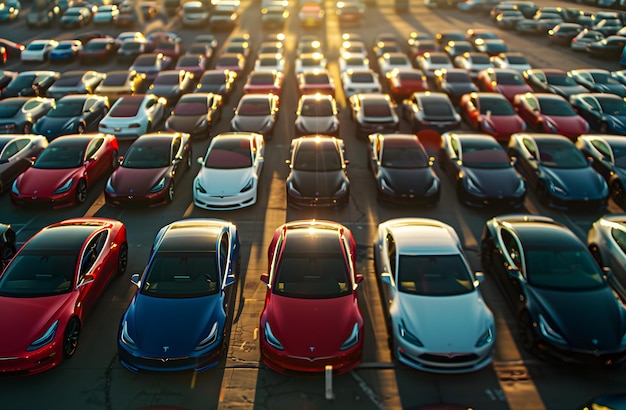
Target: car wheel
528 336
70 338
80 129
81 191
114 159
170 191
122 259
28 128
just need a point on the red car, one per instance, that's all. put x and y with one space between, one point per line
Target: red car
98 50
51 285
506 81
491 113
551 113
264 82
64 171
149 172
231 61
405 81
311 317
317 81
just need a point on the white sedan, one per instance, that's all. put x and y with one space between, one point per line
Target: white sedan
38 50
134 115
438 318
230 172
357 81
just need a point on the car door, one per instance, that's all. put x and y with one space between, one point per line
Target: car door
512 258
603 159
528 160
94 270
97 162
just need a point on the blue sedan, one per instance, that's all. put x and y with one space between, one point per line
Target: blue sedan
179 317
73 114
65 51
604 112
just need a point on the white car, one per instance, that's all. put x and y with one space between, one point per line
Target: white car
134 115
229 176
310 62
353 47
38 50
474 62
357 81
349 61
433 60
512 60
269 62
317 114
194 14
438 318
389 61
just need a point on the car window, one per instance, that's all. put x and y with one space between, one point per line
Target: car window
181 275
512 249
10 149
530 146
94 146
433 275
91 253
176 146
619 236
34 273
602 147
31 105
391 254
454 146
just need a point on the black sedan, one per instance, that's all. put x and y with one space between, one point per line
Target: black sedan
598 80
195 114
430 110
552 80
403 170
76 82
564 304
609 48
605 113
318 176
481 170
608 156
373 112
221 82
30 83
172 84
558 172
18 114
455 82
73 114
16 155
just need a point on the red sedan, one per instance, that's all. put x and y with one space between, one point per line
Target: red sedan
64 171
491 113
264 82
311 317
505 81
317 81
550 113
405 81
50 286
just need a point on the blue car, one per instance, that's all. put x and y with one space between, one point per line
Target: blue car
65 51
73 114
604 112
179 316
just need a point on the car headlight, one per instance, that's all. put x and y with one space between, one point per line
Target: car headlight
485 338
556 188
199 186
352 339
548 332
271 339
343 188
159 185
384 186
210 339
551 127
292 188
487 126
65 187
248 185
434 187
472 187
14 188
408 336
109 187
125 337
47 337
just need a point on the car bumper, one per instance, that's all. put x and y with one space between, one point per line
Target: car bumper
225 202
129 200
123 132
408 198
27 363
578 204
197 362
281 362
492 201
55 201
299 201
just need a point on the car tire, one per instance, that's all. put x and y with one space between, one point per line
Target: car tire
81 191
528 336
70 338
122 259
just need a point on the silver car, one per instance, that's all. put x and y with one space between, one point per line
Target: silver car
317 114
607 242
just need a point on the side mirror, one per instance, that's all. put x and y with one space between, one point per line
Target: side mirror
359 278
480 278
88 278
607 272
514 272
265 278
134 279
386 278
120 159
200 160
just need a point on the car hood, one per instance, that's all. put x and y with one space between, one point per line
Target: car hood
410 181
321 324
178 323
136 181
582 317
53 126
510 91
26 319
43 182
616 89
317 184
224 182
505 124
316 125
438 321
579 183
251 123
567 91
494 182
185 123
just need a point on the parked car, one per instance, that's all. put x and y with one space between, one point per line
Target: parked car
492 114
73 114
65 51
216 81
552 80
256 113
605 241
373 112
121 82
38 50
16 155
196 114
455 82
134 115
18 114
30 83
75 82
430 110
550 113
598 80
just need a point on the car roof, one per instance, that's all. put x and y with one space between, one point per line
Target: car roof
434 238
190 235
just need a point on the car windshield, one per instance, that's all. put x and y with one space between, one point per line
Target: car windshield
191 107
433 275
317 158
213 79
410 77
438 108
261 79
316 79
37 274
35 47
188 61
603 78
115 79
167 79
124 108
130 46
145 61
366 78
254 107
517 60
557 154
96 45
439 60
66 109
181 275
9 108
562 267
228 62
557 107
64 46
481 155
496 106
510 79
321 108
229 153
403 156
377 109
458 77
155 155
613 106
23 81
60 157
559 80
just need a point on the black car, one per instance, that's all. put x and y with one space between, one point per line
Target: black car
30 83
75 17
73 114
18 114
481 170
220 82
608 158
605 113
609 48
552 80
430 111
403 170
172 84
455 82
562 300
373 112
558 172
195 114
318 176
598 80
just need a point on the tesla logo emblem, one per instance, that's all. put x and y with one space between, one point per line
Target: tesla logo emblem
312 348
164 360
35 191
132 190
451 355
594 341
165 348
